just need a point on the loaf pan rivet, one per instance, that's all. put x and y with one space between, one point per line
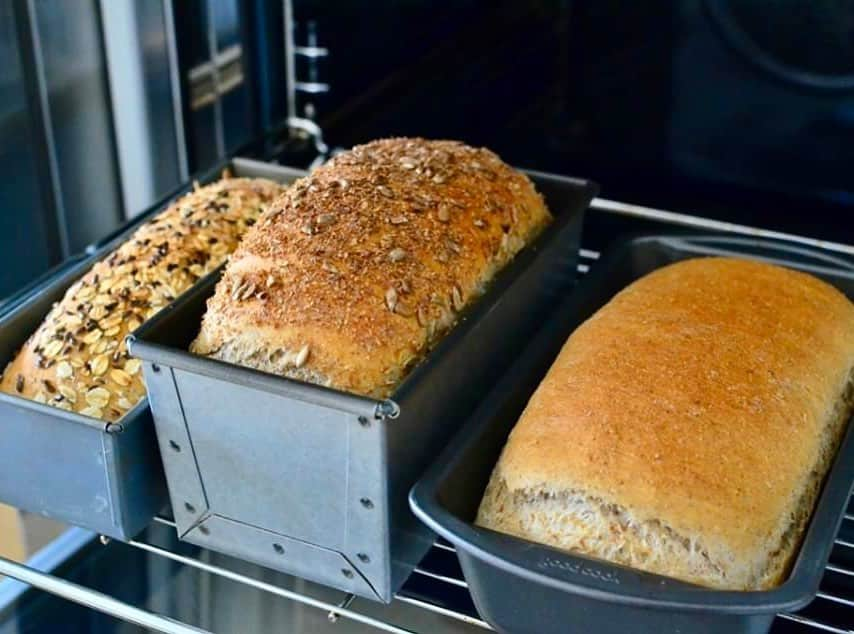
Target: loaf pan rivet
364 422
190 508
204 530
367 503
279 549
347 573
364 558
175 446
155 367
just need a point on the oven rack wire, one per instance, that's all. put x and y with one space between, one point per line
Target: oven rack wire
439 576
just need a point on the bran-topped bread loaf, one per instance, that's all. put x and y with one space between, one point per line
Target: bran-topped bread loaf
686 427
77 359
361 267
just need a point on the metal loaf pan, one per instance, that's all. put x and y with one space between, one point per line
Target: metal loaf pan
72 468
520 586
313 481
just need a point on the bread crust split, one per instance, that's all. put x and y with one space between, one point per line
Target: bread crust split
353 275
77 359
685 429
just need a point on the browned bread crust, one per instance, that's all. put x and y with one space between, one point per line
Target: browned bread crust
686 427
77 359
361 267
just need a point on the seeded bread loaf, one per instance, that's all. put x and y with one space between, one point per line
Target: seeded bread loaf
685 428
77 359
355 273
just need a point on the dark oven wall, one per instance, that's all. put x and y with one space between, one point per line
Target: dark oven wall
741 110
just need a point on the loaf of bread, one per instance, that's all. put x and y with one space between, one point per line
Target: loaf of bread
685 429
351 277
77 360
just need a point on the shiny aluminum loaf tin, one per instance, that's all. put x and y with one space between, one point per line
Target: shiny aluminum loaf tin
72 468
313 481
523 587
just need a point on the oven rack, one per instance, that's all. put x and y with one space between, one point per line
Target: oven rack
437 584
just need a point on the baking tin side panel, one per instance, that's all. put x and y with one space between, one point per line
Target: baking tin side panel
186 493
514 606
367 501
55 468
135 471
272 480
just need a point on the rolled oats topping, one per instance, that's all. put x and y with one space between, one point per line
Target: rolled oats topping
78 353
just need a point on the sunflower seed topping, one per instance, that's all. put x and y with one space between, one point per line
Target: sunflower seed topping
457 298
396 255
248 291
302 356
391 299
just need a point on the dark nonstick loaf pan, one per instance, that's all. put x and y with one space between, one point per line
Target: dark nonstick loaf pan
520 586
313 481
69 467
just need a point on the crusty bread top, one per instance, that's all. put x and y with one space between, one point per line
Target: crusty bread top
351 277
699 398
77 360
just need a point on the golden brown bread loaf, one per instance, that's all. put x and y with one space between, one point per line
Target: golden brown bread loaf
686 427
353 275
77 359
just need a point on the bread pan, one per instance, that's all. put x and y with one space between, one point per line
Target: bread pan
313 481
69 467
520 586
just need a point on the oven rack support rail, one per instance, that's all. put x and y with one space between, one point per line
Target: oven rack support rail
344 608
